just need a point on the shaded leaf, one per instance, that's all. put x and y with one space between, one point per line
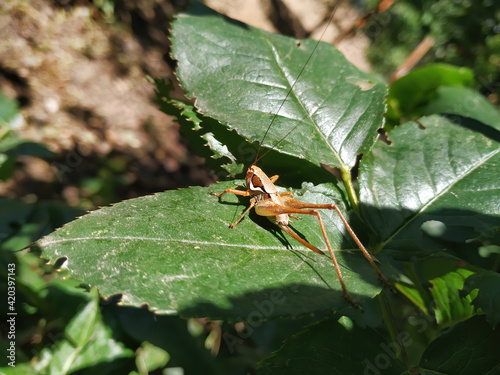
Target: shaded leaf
22 223
87 342
330 347
488 295
468 348
14 146
169 333
199 129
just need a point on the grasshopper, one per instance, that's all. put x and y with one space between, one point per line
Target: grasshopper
279 207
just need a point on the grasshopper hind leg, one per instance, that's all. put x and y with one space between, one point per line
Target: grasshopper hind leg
347 295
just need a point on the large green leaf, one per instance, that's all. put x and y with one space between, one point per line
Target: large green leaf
433 188
175 252
241 76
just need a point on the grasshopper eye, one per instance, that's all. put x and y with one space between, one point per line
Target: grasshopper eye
255 184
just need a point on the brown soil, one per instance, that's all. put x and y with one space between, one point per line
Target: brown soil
80 80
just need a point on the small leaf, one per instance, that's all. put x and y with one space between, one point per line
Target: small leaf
150 358
7 166
8 109
409 95
449 306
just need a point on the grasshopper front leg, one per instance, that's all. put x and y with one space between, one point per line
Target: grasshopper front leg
243 193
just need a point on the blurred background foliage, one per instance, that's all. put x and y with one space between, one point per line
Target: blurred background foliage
465 33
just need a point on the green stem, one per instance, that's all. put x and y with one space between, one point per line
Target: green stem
351 192
391 327
412 275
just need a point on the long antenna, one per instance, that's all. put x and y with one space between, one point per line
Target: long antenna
257 158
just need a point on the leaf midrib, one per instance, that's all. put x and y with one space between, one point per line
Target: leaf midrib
291 87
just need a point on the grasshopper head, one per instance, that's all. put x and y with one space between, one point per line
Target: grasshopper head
258 182
253 180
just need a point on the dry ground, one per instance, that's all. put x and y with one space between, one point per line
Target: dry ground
80 80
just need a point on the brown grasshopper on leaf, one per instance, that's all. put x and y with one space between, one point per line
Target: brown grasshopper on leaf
279 207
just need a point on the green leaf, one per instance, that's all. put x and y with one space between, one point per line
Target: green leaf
449 306
87 343
7 167
468 348
463 101
411 93
488 296
199 130
445 176
330 347
14 146
150 358
241 75
8 109
175 252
